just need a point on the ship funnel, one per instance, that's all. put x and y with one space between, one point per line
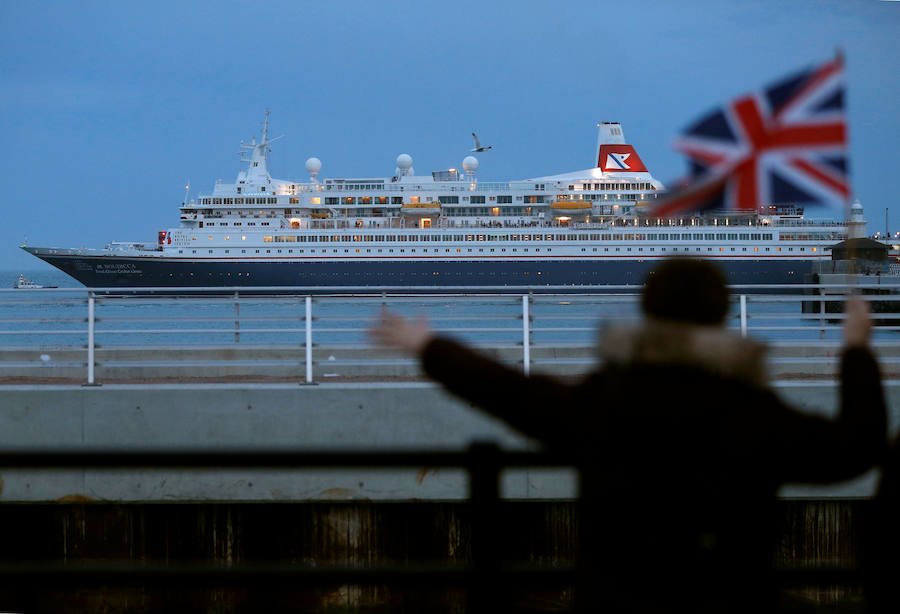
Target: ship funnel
610 133
613 154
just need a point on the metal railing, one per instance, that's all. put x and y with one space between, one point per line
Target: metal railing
45 332
483 463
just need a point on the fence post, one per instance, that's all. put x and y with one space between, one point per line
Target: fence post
591 532
743 315
90 342
822 321
237 318
526 335
309 369
484 499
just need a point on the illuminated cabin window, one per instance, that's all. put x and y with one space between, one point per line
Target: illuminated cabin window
268 239
315 200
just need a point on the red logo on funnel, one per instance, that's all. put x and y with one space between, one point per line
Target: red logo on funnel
619 159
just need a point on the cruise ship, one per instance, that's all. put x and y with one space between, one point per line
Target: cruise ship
448 230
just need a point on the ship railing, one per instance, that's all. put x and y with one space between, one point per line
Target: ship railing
440 186
110 335
808 222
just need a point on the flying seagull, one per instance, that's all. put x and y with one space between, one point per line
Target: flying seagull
478 147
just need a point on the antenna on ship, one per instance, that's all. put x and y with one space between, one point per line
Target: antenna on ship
265 135
187 190
258 173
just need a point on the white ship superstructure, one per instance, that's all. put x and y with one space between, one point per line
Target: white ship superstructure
448 228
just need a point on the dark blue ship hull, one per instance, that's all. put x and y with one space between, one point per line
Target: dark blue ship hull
487 275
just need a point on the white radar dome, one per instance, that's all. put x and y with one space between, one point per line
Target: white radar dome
404 162
313 165
470 164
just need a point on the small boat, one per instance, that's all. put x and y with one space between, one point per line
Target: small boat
27 284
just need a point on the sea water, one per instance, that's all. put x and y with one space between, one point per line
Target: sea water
54 319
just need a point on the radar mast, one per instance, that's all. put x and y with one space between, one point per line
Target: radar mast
257 172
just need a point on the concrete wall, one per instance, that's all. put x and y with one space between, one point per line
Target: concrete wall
262 364
371 415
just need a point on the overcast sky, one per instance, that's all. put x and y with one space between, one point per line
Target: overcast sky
108 108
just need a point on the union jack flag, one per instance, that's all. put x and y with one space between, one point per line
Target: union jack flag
784 145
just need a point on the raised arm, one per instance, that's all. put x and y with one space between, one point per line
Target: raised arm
813 449
535 405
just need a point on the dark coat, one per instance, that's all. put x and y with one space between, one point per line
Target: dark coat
683 449
881 539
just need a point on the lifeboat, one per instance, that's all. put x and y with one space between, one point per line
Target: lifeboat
420 209
571 206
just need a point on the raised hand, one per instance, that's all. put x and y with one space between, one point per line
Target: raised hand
401 333
857 323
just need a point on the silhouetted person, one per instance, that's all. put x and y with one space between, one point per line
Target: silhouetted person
881 539
682 444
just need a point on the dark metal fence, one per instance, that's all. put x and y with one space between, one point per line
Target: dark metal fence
483 463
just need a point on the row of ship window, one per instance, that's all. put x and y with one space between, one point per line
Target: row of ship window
491 250
613 186
246 200
235 224
398 200
506 199
628 236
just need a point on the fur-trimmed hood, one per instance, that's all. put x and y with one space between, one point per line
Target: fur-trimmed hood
710 348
